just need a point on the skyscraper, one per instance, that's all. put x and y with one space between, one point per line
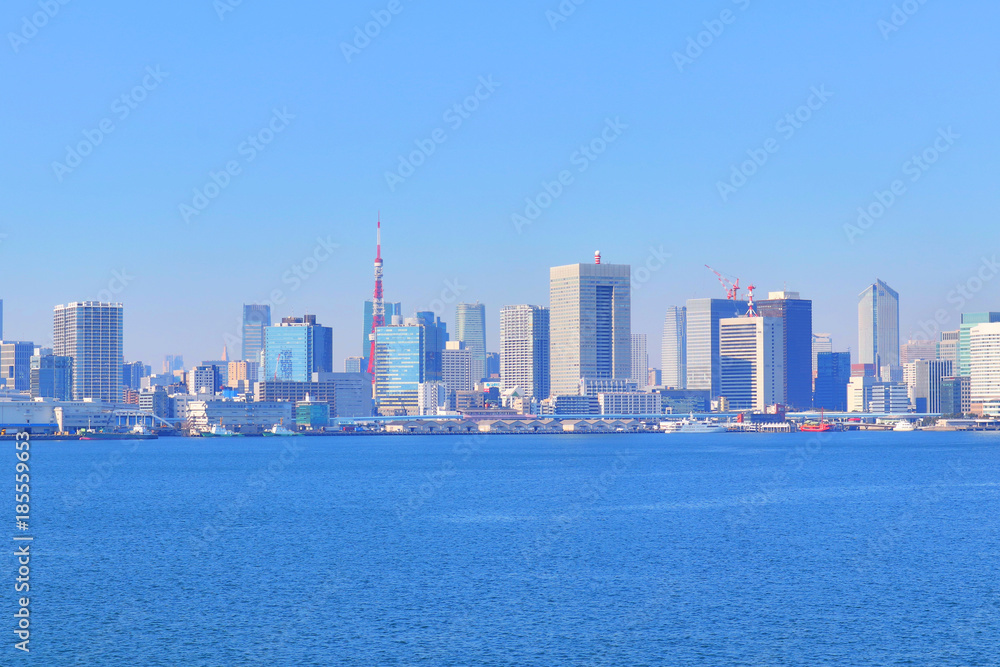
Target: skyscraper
703 317
948 348
435 339
913 350
796 313
15 364
928 376
673 348
470 328
399 369
391 309
91 332
970 320
984 368
456 371
833 374
751 358
590 324
296 348
256 318
524 350
640 359
878 326
51 376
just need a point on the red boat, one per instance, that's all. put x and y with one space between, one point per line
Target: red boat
813 427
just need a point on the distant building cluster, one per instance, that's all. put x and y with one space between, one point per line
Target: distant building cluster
575 357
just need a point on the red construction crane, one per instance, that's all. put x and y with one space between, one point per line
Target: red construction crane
732 289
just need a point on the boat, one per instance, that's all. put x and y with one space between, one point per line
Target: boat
813 427
691 425
278 429
904 426
218 431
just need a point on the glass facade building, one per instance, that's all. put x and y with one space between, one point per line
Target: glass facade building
796 314
470 328
399 369
524 350
833 374
296 348
703 363
15 365
256 318
878 326
970 320
673 348
392 309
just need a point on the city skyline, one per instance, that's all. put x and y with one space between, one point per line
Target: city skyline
298 217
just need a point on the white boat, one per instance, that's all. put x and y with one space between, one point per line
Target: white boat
217 431
692 425
278 429
904 426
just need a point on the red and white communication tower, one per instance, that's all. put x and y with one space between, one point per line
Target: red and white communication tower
378 304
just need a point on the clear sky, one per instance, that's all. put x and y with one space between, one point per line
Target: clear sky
200 78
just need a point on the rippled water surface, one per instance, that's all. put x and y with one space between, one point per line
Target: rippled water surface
731 549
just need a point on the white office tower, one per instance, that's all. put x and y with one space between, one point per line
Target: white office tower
524 350
640 359
822 342
751 361
673 349
91 333
431 396
456 367
984 368
590 311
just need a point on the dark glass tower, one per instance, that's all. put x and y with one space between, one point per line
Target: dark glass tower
797 316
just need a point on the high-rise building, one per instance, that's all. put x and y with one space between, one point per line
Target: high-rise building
970 320
435 339
456 371
951 395
703 363
640 359
132 374
470 328
256 318
204 379
878 326
392 309
673 348
173 362
51 376
948 348
399 369
296 348
15 364
91 332
355 365
524 350
913 350
590 324
242 374
822 342
796 315
984 366
833 374
752 362
928 376
492 365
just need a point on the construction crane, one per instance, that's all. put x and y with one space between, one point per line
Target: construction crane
732 289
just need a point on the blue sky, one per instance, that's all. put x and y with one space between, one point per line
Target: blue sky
221 76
